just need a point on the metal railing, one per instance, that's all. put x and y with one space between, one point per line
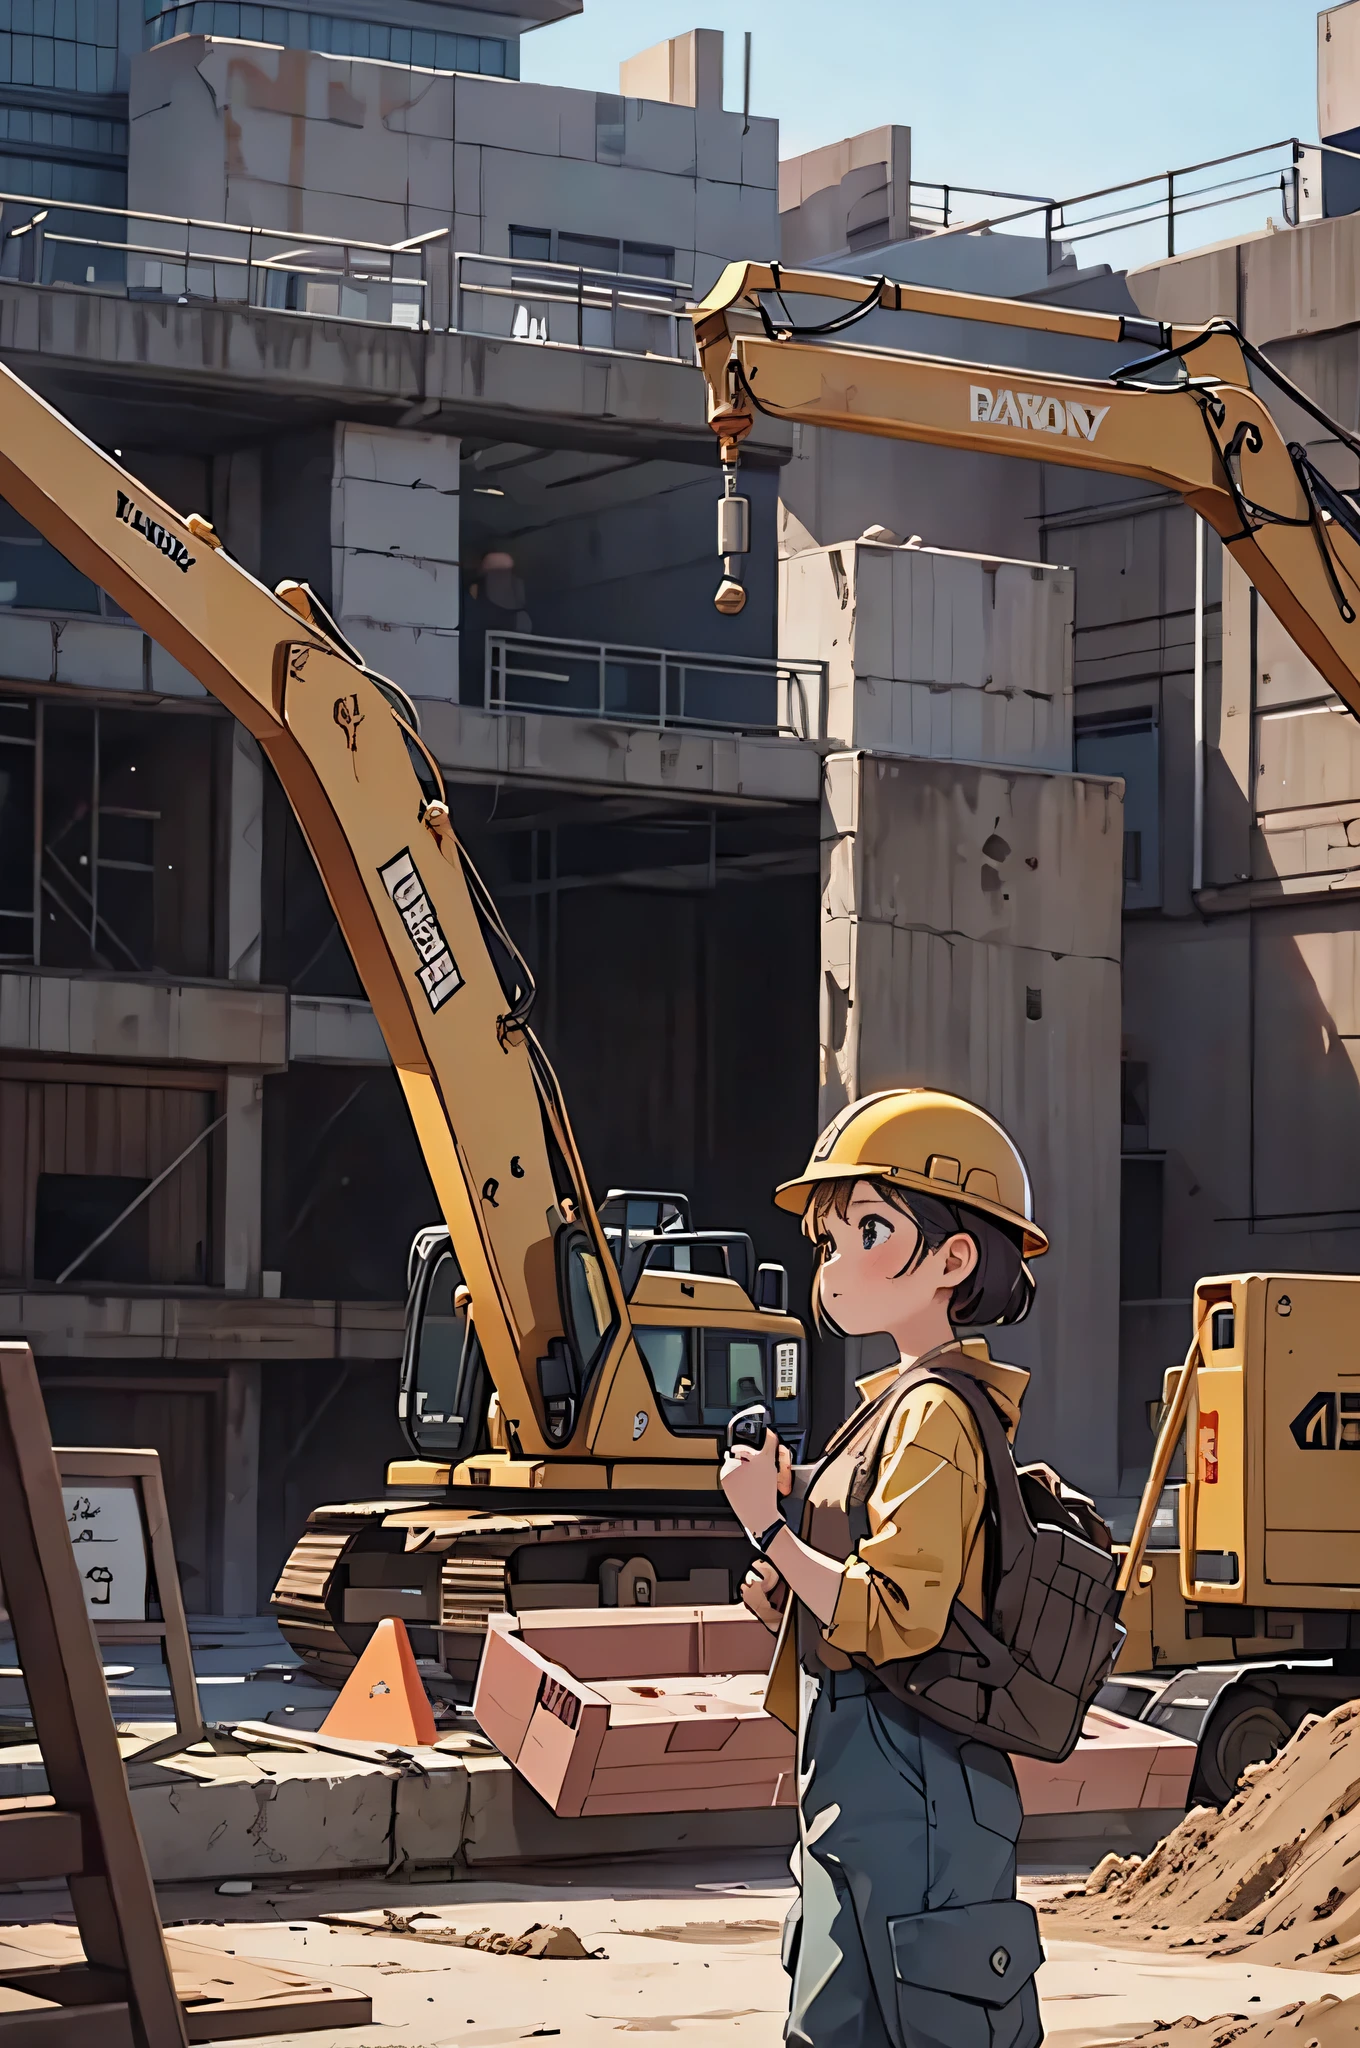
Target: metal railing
935 205
568 305
1154 209
655 686
126 254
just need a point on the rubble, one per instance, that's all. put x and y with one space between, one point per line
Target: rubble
1275 1874
546 1941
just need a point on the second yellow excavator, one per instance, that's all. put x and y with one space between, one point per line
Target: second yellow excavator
1267 1559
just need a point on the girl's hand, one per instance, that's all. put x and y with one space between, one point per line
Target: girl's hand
750 1479
764 1594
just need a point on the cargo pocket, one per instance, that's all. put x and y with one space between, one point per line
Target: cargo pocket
965 1976
792 1937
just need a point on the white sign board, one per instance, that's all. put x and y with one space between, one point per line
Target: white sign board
105 1521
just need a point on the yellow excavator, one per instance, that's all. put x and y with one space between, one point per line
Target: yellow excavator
1267 1563
617 1342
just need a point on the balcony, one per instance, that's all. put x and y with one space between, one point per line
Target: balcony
656 687
163 257
567 305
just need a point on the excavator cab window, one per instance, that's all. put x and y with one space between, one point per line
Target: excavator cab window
703 1377
444 1382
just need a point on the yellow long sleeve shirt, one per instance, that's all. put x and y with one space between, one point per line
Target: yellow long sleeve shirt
924 1545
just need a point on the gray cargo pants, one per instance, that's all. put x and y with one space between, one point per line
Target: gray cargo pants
908 1933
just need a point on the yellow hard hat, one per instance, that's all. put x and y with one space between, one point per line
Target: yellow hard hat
920 1138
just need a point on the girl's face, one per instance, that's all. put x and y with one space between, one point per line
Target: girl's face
868 1280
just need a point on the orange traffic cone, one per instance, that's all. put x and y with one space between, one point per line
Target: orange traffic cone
383 1699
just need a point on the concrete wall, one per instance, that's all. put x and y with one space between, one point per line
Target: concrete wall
291 140
970 941
848 197
394 553
958 657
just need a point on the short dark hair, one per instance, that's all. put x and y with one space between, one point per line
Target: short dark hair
1000 1288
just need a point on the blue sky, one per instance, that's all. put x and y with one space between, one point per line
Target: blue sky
1056 98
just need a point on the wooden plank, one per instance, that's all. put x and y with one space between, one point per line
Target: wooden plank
114 1904
34 2025
36 1840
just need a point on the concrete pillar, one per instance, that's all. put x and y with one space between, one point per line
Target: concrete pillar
394 553
971 942
245 855
238 504
243 1132
241 1489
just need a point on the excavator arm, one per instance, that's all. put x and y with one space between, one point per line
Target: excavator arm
448 988
1186 414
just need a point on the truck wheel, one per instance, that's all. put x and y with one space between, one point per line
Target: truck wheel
1246 1727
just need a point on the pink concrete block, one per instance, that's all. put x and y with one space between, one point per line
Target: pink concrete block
558 1759
507 1689
703 1732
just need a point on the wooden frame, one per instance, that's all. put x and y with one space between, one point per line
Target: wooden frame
126 1970
173 1629
112 1981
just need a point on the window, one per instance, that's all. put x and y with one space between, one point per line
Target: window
1125 743
72 1210
1140 1228
335 36
79 1151
1133 1105
733 1375
71 45
34 577
666 1354
593 252
120 846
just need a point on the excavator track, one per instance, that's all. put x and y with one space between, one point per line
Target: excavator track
444 1571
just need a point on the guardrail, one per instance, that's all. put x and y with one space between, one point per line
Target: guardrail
126 254
655 686
1156 207
568 305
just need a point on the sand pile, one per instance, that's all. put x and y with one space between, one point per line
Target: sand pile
1326 2023
1277 1872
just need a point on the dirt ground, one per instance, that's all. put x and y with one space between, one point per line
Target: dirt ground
691 1948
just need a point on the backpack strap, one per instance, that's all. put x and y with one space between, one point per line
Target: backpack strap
1014 1529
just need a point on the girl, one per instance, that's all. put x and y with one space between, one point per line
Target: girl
908 1933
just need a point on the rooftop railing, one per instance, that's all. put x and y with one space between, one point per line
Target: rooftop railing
655 686
1143 219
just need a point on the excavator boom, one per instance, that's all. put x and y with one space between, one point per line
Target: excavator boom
447 986
1186 414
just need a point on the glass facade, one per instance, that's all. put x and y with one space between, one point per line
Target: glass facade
68 45
333 35
27 134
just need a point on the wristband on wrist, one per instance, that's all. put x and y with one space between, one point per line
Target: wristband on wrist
767 1536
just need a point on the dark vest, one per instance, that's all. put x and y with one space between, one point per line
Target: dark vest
1021 1675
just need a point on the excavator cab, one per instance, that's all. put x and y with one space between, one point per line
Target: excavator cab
445 1386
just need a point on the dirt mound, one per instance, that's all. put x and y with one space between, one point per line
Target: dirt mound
1277 1871
1326 2023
